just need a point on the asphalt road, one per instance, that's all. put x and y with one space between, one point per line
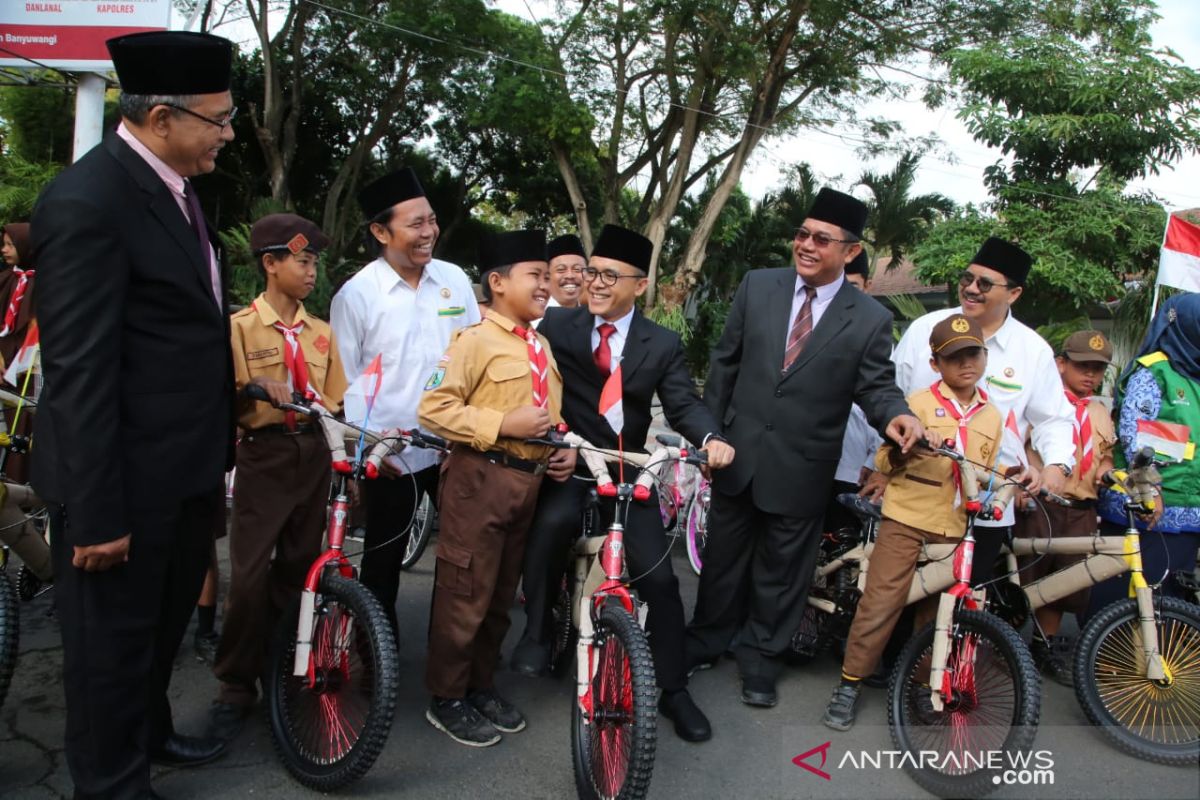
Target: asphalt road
750 754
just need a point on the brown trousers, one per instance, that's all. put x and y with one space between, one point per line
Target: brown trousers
279 504
1062 522
485 512
889 577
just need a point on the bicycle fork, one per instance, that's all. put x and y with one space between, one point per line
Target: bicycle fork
941 677
1156 668
338 517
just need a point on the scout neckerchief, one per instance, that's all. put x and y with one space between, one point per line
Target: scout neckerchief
1083 430
14 300
538 365
293 359
963 418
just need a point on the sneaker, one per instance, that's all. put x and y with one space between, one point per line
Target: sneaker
502 714
839 715
459 720
1053 657
205 645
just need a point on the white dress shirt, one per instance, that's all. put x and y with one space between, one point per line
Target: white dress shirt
378 312
616 340
858 446
550 303
1021 377
819 304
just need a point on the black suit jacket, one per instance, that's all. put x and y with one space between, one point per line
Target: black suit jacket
137 405
788 428
652 362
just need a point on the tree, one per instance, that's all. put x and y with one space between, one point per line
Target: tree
897 220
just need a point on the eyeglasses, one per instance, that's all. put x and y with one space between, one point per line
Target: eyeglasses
985 284
608 277
222 123
821 240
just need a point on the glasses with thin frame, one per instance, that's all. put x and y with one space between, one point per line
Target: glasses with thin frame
608 277
985 284
222 123
819 238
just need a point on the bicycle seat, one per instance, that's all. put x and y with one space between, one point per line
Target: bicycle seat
862 508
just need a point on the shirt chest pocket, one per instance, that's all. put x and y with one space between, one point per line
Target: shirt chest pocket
266 361
317 366
508 385
503 373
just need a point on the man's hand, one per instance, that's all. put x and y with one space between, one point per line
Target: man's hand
934 438
279 391
1054 479
526 422
872 490
103 556
905 430
1031 478
562 465
720 454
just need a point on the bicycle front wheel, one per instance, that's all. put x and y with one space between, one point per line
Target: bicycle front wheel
10 628
1154 720
329 730
420 532
614 743
994 706
697 532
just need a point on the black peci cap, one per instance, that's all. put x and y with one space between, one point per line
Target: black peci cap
287 232
567 244
839 209
383 193
512 247
172 62
1006 258
622 244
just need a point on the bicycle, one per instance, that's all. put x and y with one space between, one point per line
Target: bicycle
420 532
614 717
699 498
10 626
334 665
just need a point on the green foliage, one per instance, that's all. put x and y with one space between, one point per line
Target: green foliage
247 280
898 220
908 308
1055 333
672 319
20 183
38 120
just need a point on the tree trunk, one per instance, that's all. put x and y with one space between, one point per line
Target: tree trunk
567 170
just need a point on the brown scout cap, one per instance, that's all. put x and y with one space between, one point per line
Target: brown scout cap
955 333
279 232
1088 346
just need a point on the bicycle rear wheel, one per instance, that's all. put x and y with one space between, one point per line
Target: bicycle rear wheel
614 744
420 532
10 628
329 734
1154 720
995 705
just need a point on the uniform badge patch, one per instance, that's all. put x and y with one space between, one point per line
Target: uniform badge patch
297 244
985 451
446 294
1009 372
322 344
960 325
435 380
452 311
939 412
257 354
1096 343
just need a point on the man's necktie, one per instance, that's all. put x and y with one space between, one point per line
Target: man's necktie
603 354
198 227
801 328
539 366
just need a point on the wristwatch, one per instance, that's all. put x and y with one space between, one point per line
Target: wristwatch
1066 471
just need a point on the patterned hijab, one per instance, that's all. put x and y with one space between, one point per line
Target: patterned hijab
1175 331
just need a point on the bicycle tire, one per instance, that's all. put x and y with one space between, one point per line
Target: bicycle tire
420 533
1009 680
697 533
304 722
562 630
624 692
10 631
1113 692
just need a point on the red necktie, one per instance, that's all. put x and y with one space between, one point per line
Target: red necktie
603 354
293 359
538 366
801 328
1083 431
14 300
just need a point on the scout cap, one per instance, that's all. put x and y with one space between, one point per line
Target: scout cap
279 232
1088 346
955 333
1006 258
565 245
512 247
383 193
860 265
172 62
622 244
839 209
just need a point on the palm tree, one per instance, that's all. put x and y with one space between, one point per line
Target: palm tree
897 220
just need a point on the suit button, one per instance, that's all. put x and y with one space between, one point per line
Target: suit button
779 392
770 426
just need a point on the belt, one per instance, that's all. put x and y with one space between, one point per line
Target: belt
522 464
1089 503
282 430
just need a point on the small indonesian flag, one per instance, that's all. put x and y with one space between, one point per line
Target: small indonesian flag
26 357
1179 262
612 407
360 395
1013 442
1168 439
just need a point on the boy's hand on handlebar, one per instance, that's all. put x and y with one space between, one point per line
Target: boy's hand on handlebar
103 556
526 422
905 430
278 391
562 464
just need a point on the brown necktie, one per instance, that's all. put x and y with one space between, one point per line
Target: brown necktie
801 328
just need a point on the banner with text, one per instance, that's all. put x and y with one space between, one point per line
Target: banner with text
70 34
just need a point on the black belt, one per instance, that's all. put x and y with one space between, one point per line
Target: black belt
1078 503
282 430
523 464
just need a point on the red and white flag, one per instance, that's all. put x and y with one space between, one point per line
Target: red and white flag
1012 442
26 357
612 407
360 395
1168 439
1179 263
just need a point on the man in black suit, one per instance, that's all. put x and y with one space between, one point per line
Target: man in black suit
587 343
799 347
135 425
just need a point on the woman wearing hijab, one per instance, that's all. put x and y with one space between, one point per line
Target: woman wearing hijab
1161 386
16 289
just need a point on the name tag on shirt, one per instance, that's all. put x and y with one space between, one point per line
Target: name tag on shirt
257 354
452 311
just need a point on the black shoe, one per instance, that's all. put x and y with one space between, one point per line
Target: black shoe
503 715
205 645
877 679
839 714
700 666
690 723
149 794
1053 657
226 720
758 691
531 659
459 720
178 750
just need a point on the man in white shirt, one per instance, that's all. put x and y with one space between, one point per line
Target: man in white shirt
567 262
405 305
1021 378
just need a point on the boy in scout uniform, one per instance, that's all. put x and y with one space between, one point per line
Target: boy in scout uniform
920 504
496 385
1084 358
283 462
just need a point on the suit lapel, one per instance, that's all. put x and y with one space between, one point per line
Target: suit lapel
779 310
640 331
833 320
581 342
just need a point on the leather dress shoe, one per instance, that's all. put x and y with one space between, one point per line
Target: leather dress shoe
690 723
758 691
531 659
178 750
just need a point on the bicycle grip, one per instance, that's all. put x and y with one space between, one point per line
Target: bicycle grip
668 439
1143 458
256 392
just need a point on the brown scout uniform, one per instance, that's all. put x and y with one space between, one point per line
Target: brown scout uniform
281 493
918 508
1080 518
488 493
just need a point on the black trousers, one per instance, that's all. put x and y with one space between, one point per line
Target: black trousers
757 571
557 523
390 505
121 629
